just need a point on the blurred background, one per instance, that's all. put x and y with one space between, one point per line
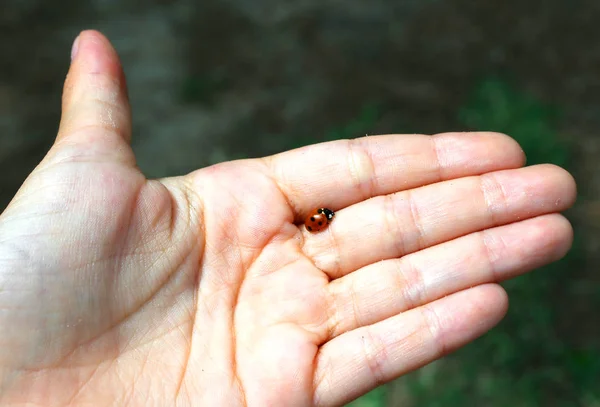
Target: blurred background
223 79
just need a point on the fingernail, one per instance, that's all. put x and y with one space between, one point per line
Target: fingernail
75 48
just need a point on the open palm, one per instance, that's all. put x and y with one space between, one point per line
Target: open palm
207 290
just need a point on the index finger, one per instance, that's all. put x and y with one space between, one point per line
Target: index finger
340 173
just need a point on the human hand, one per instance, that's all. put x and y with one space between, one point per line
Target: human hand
205 289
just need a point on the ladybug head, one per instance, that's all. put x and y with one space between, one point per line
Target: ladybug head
328 213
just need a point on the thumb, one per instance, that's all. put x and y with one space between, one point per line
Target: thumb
96 116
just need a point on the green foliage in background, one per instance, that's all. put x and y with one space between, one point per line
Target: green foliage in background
496 106
362 125
201 89
528 360
531 360
376 398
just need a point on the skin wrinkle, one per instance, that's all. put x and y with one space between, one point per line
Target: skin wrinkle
189 342
336 250
128 395
361 168
355 309
173 209
490 254
194 314
267 162
244 261
318 379
39 371
11 214
106 88
373 356
324 377
126 237
313 374
235 287
175 217
334 321
98 158
109 106
490 202
269 242
439 168
415 219
399 242
434 327
83 385
265 171
174 206
134 312
66 135
407 285
150 342
295 259
136 377
97 91
157 226
128 349
196 207
110 155
52 365
75 138
236 380
404 285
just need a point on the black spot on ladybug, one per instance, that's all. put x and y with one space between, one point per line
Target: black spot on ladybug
309 228
312 218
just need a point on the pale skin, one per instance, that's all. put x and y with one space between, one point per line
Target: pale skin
206 290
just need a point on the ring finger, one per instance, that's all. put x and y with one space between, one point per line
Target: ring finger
387 288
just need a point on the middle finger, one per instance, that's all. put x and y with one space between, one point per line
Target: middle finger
394 225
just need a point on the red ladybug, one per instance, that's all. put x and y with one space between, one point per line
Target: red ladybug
318 219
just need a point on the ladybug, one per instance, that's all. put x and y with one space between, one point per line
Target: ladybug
318 219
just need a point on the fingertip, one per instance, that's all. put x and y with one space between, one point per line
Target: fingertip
95 92
512 148
500 300
496 301
557 181
568 183
560 235
468 153
75 48
506 145
468 314
488 303
93 53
